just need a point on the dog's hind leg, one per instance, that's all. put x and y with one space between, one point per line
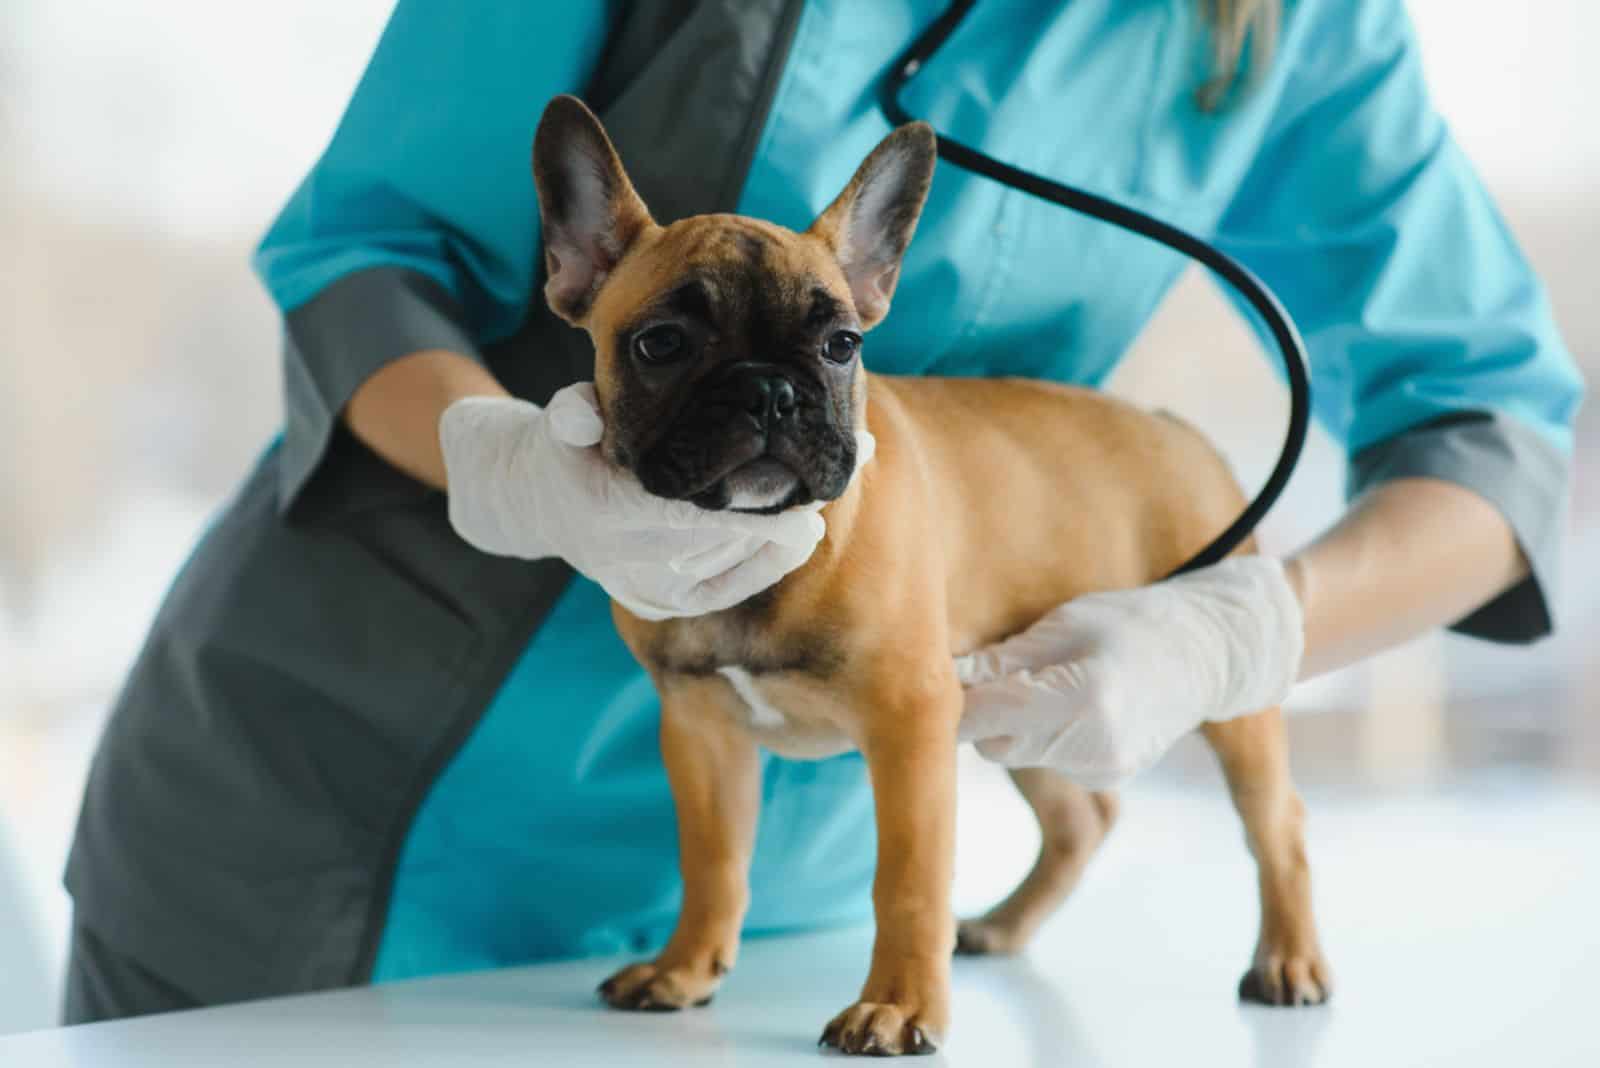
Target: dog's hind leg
1072 823
1288 968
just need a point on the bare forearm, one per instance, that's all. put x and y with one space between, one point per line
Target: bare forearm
1409 556
396 411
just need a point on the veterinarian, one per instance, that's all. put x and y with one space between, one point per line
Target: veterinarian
355 748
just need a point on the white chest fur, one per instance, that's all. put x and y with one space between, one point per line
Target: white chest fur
762 715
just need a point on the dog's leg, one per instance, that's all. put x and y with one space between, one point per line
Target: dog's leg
715 772
1288 968
910 746
1072 824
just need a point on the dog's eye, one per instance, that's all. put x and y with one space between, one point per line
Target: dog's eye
660 344
842 347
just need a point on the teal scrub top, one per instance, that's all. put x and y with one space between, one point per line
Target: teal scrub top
1333 178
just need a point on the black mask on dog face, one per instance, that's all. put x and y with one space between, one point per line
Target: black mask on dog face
748 374
727 350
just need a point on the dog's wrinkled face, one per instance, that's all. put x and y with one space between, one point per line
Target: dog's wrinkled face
730 356
727 350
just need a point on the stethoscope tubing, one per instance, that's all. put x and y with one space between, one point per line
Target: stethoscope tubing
1252 289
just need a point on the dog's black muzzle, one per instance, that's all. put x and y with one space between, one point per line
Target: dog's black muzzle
744 411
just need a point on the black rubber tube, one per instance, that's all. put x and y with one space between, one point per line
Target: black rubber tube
1234 273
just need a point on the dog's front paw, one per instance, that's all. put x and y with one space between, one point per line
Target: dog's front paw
881 1029
1287 979
654 986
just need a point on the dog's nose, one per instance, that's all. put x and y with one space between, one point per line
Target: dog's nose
769 398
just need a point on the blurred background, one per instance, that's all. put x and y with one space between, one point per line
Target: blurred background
144 148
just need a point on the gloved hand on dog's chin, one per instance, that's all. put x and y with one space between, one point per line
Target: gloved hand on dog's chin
1101 687
531 482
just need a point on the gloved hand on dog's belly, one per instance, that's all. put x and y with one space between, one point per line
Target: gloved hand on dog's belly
1101 687
531 482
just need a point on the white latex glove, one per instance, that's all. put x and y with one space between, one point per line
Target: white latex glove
530 482
1101 687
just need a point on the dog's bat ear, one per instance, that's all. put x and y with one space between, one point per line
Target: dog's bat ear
870 224
588 209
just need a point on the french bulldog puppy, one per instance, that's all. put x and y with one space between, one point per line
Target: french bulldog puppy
728 372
